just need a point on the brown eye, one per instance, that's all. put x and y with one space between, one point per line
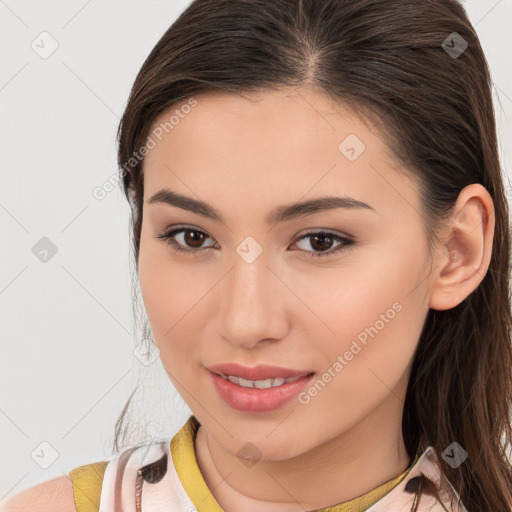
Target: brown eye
194 238
321 243
185 240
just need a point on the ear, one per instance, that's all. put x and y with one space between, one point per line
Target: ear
465 252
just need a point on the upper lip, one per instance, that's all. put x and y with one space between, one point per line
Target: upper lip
260 372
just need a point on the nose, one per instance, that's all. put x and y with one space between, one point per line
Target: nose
252 304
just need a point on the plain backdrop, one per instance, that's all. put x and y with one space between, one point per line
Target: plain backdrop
67 331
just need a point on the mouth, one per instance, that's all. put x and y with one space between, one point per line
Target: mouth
258 389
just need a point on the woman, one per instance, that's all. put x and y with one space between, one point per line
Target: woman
322 241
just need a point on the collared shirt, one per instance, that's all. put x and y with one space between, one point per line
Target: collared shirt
164 476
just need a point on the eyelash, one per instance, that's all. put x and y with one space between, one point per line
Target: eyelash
168 239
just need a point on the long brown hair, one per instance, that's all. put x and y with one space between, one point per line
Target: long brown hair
391 61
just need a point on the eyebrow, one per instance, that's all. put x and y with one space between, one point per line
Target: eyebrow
280 214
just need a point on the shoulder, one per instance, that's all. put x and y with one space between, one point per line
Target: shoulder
78 491
92 487
54 495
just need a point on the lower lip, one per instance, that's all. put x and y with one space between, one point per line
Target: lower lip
258 400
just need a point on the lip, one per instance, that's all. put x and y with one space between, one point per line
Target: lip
260 372
254 400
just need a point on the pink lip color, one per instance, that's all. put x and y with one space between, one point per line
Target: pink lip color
257 400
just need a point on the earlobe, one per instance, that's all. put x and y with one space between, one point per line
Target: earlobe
464 257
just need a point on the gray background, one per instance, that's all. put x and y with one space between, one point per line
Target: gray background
67 333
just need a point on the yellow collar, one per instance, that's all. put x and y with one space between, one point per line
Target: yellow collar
187 468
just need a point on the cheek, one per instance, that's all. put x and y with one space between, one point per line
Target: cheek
163 293
376 329
174 295
164 290
154 285
368 310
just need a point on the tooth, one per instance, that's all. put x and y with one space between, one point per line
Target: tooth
263 384
260 384
245 383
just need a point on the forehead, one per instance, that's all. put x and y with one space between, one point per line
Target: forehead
296 116
296 140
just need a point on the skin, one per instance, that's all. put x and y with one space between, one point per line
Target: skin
245 156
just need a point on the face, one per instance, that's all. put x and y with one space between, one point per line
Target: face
334 293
